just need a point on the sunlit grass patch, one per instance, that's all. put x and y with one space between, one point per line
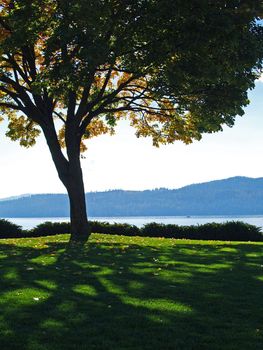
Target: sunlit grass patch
23 296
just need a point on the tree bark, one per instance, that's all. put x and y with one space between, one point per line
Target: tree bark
70 173
78 214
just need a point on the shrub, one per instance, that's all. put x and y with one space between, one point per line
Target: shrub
53 228
154 229
49 228
229 231
114 229
9 229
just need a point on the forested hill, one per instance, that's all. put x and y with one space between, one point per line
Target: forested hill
233 196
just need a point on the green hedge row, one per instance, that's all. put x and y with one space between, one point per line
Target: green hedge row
229 231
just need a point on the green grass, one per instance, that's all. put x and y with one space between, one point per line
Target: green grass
130 293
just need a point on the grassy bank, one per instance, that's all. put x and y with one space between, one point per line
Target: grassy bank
130 293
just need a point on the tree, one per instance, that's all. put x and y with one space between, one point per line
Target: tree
72 69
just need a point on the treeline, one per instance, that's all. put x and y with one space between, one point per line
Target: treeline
234 196
229 231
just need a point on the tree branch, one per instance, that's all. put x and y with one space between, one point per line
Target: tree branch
10 105
81 111
30 109
60 116
10 59
72 98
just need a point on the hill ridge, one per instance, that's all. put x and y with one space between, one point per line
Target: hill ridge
237 195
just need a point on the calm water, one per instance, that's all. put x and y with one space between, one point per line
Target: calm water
28 223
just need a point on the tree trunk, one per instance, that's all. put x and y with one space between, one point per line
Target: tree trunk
70 173
78 215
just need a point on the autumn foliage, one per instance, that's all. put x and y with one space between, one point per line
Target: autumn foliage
49 48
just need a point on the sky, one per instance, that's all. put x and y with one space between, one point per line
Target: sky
125 162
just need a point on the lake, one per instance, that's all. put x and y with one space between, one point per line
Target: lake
28 223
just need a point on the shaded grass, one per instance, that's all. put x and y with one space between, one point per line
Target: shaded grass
130 293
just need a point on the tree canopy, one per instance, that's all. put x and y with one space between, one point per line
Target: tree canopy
175 69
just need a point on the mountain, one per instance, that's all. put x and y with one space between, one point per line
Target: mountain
233 196
14 197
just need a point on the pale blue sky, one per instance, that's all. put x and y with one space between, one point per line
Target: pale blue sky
125 162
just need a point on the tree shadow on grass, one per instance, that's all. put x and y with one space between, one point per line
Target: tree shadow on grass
116 296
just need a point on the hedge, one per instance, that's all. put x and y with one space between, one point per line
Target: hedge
228 231
9 229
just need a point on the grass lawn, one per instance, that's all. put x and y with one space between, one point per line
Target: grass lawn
130 293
